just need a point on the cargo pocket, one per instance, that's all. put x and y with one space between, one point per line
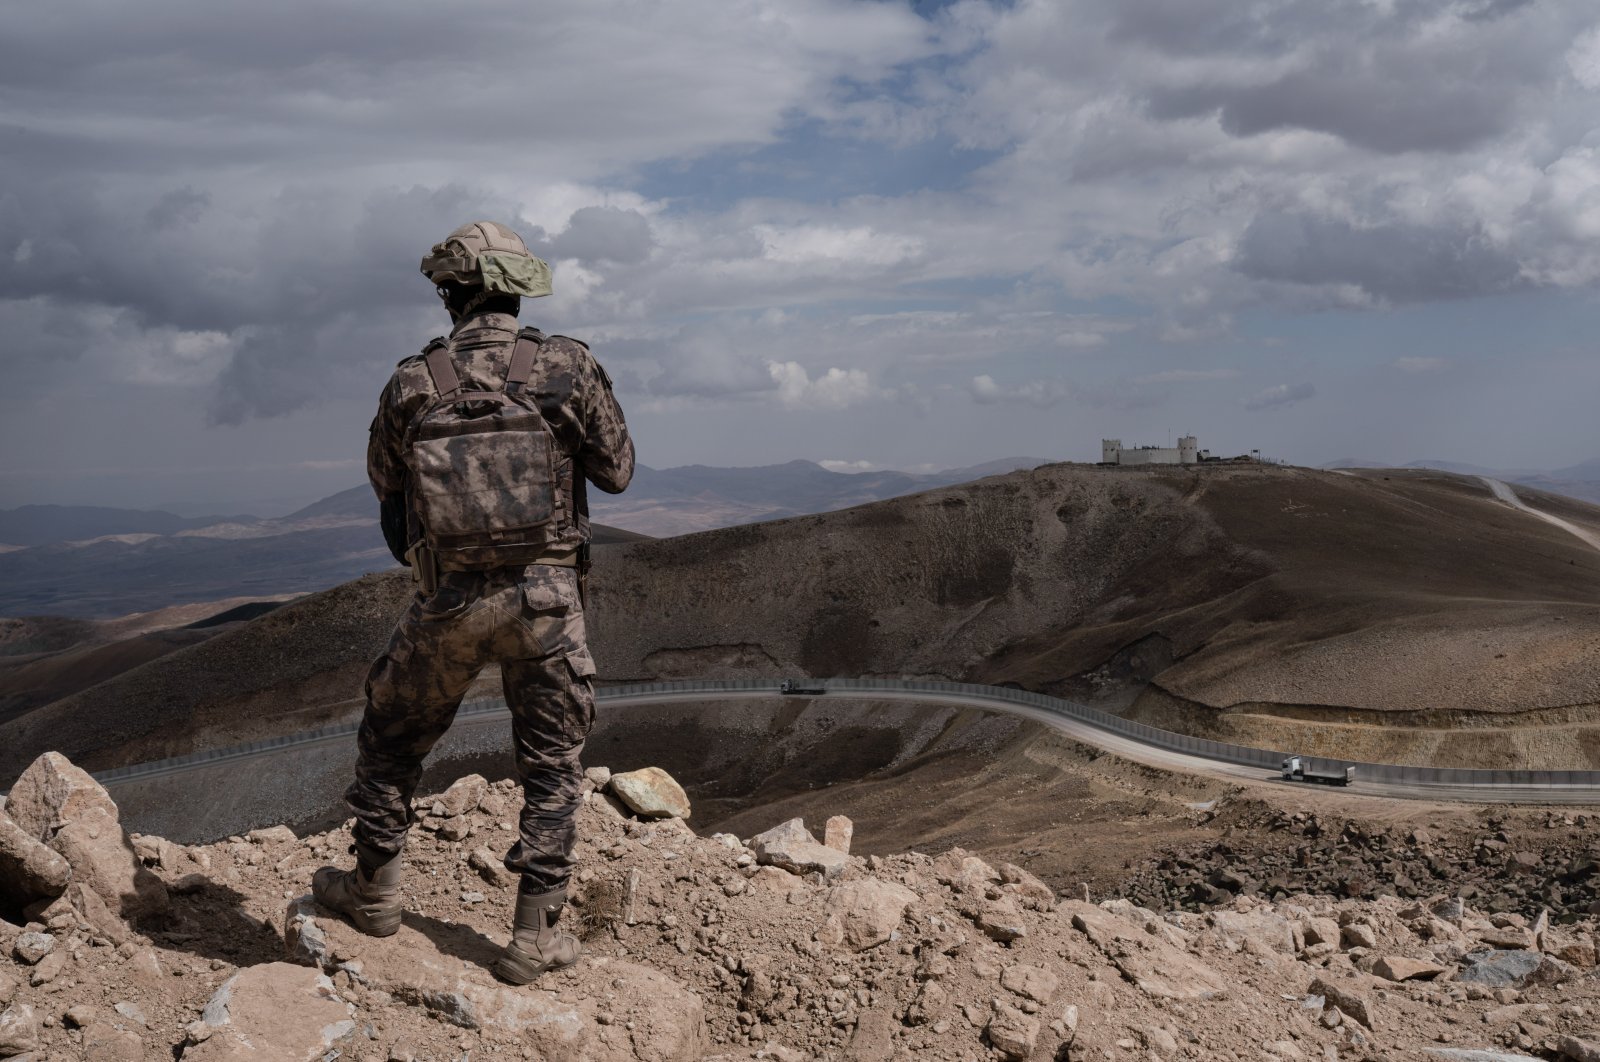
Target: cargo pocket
581 664
547 607
380 686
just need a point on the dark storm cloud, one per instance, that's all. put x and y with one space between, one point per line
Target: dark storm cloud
1392 262
1428 75
605 234
306 259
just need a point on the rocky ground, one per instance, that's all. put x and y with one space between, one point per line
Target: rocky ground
777 946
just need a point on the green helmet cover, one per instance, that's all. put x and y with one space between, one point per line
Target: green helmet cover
490 255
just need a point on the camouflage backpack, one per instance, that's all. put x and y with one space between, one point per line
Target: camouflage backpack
483 467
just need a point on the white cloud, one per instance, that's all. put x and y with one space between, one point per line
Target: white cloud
834 389
1420 365
1040 393
849 466
1279 395
1583 59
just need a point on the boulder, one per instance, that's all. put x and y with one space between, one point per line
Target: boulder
1034 982
1513 969
869 910
1579 1049
651 792
29 870
59 804
1399 968
790 845
1359 935
1347 998
266 835
1262 928
32 947
838 832
964 872
276 1010
19 1030
53 791
1320 931
1155 966
1032 893
1000 920
1011 1032
463 794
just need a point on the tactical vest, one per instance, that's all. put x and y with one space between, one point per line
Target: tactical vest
483 467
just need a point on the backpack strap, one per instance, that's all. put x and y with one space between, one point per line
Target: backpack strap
521 362
445 380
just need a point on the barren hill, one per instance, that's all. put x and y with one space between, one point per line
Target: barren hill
1239 599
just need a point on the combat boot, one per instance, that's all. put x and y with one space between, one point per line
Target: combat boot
369 895
536 946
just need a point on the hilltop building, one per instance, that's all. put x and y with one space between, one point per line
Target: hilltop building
1187 452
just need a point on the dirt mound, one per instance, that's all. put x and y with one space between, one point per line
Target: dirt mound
775 947
1279 592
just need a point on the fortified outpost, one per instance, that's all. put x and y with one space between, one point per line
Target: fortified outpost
1187 452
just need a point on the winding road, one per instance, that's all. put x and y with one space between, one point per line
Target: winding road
1504 492
1133 741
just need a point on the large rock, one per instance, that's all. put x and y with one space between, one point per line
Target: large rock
1034 982
29 870
59 804
1158 968
1262 929
790 845
1399 968
19 1030
463 794
276 1010
52 792
1579 1049
1348 998
869 910
1011 1032
1513 969
651 792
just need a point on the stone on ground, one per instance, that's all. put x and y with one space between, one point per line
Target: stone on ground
29 870
276 1010
838 832
1399 968
869 910
651 792
790 845
60 805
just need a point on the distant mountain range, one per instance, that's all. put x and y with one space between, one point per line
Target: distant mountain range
1575 481
88 561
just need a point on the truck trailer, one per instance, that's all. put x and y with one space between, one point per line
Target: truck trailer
1296 770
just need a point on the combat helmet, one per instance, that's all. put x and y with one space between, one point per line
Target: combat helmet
487 254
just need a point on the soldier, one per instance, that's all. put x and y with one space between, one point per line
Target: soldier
479 455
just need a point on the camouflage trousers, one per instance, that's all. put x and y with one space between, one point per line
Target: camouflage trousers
529 620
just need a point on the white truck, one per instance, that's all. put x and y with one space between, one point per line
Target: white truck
1295 770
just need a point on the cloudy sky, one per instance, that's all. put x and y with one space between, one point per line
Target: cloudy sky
876 233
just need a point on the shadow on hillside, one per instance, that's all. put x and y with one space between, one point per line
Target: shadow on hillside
209 919
456 940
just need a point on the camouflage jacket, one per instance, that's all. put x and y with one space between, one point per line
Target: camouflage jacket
574 394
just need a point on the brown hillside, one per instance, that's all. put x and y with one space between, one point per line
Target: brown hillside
1248 596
